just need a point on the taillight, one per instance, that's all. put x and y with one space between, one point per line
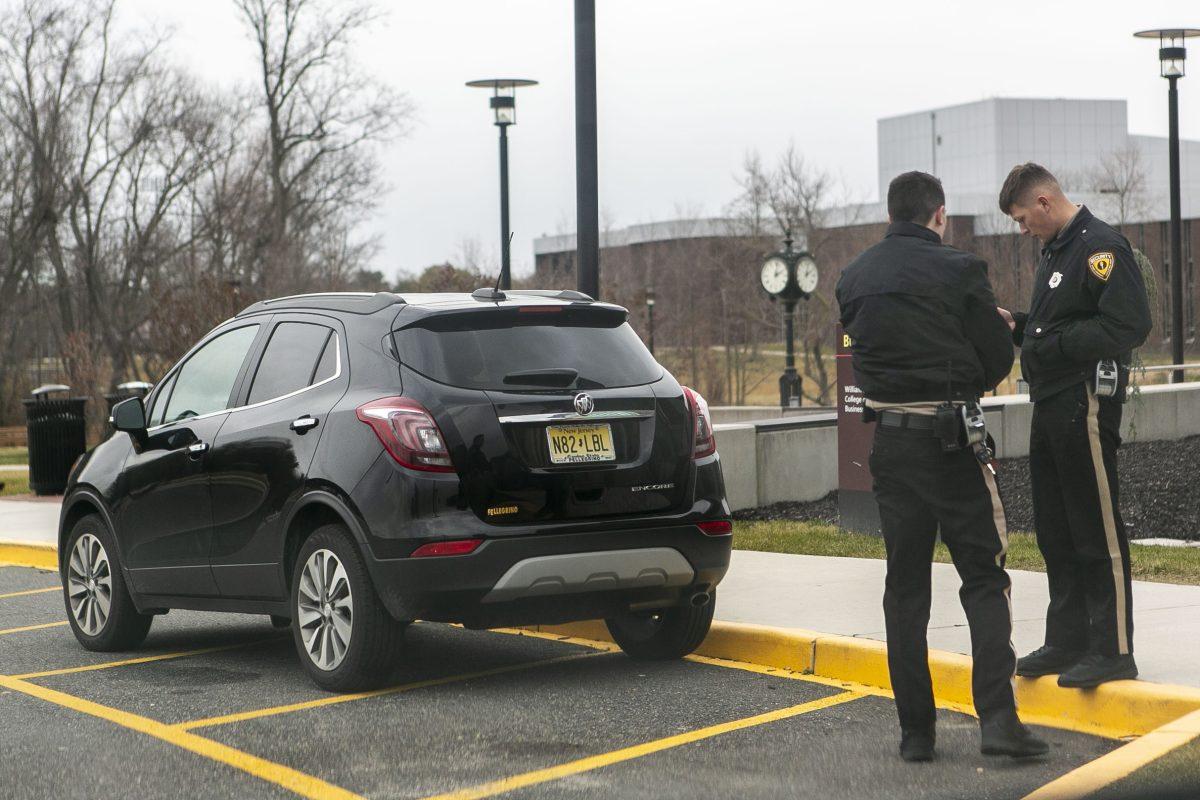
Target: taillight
408 433
456 547
704 443
715 527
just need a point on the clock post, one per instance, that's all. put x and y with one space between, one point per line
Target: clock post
788 277
789 381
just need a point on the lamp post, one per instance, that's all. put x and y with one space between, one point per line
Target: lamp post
650 317
504 106
1171 57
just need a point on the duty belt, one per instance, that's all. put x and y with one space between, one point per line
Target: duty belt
902 419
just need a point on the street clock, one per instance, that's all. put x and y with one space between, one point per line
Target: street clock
806 274
774 275
789 276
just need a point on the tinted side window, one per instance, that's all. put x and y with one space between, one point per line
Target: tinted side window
206 379
289 360
154 414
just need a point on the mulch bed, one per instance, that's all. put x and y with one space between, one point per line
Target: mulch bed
1159 496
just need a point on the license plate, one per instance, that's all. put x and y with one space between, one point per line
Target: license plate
580 444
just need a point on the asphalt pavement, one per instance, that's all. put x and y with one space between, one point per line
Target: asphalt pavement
218 706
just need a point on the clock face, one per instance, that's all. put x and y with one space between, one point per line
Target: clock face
774 276
806 275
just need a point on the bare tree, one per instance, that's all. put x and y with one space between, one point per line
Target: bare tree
323 118
797 198
1121 176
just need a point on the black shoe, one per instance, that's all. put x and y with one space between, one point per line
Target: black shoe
1095 669
1005 735
917 745
1048 660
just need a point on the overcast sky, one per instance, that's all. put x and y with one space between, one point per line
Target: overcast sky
685 88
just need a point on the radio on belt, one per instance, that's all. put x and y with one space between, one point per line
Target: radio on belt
1106 377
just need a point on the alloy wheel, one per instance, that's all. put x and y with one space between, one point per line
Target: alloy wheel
325 609
89 584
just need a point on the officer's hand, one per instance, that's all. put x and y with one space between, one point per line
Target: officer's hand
1008 317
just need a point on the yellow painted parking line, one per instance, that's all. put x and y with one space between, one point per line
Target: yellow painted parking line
293 780
47 590
142 659
242 716
745 666
493 788
849 686
33 627
1124 761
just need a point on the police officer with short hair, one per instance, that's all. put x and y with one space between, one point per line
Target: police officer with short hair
926 342
1088 312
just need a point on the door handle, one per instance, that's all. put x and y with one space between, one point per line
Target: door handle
304 424
196 450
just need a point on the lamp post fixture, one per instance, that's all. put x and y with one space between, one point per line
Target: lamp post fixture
650 317
789 276
1171 57
504 106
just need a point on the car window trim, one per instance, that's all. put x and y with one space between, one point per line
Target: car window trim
237 381
337 373
258 360
262 323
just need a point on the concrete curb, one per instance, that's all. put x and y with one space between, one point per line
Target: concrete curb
1115 710
28 554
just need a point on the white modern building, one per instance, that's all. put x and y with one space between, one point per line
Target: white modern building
1086 143
1122 177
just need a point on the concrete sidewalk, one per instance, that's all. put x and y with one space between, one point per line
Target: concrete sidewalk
844 596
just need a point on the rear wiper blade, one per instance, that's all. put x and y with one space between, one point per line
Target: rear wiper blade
542 377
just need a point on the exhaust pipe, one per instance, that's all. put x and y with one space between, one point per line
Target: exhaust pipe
700 599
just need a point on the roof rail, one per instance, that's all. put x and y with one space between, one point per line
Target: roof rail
351 302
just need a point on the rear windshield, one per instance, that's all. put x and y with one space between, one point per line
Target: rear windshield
527 351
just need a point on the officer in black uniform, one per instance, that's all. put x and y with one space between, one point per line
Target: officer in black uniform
926 340
1088 311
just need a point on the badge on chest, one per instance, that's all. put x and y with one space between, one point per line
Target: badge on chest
1055 280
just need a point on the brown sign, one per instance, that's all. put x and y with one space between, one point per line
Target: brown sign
856 503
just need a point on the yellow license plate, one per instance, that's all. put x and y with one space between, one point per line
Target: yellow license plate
580 444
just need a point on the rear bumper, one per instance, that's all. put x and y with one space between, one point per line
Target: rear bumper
501 584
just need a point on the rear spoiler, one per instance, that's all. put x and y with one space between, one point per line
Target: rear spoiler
490 295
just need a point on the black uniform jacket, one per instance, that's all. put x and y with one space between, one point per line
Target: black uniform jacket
1089 302
922 320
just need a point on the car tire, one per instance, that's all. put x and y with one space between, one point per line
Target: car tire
663 635
99 608
346 639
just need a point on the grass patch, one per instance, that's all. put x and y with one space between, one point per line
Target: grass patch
14 455
1163 564
14 483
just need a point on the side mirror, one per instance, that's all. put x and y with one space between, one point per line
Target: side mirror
129 416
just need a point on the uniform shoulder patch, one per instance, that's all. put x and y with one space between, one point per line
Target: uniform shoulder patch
1101 264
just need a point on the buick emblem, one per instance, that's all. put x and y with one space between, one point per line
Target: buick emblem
584 404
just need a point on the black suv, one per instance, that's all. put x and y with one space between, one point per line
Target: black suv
348 463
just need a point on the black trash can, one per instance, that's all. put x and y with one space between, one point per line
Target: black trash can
126 390
57 432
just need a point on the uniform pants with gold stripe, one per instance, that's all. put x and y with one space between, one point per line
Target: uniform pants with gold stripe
920 490
1073 468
